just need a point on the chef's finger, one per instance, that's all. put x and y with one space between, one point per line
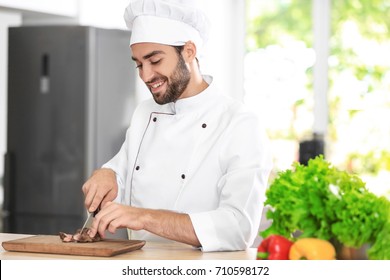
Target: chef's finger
109 197
113 226
96 202
98 222
89 193
93 229
95 199
110 220
114 218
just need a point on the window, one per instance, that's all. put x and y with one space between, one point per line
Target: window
278 82
278 77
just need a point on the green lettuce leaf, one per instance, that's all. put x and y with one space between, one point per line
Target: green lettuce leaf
318 200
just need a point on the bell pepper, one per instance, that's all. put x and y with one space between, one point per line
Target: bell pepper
274 247
312 249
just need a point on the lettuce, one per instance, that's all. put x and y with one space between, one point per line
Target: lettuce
318 200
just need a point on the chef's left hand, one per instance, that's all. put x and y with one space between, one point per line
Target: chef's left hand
114 216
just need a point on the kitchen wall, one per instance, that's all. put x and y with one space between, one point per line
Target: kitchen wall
60 8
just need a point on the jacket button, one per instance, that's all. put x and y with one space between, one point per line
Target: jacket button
137 167
183 176
154 119
204 125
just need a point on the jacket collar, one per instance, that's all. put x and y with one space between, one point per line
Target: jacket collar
197 103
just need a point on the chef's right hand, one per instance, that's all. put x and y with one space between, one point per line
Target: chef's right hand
100 188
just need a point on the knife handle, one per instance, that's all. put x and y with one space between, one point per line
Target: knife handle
96 211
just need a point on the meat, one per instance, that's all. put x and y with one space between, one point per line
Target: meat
79 236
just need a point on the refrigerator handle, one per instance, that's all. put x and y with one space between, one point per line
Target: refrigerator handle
9 192
45 75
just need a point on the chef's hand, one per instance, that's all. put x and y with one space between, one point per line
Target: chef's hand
164 223
113 216
99 189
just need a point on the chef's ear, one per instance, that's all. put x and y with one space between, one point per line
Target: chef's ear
189 51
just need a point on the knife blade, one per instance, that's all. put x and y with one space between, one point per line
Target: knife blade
88 221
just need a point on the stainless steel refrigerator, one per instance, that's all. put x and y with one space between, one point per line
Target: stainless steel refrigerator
71 94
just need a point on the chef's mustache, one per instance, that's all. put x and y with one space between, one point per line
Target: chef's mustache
156 79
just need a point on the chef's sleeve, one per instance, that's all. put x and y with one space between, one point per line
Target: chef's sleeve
246 162
119 165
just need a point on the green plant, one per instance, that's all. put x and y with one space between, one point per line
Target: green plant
318 200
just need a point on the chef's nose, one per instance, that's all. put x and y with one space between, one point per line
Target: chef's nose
146 73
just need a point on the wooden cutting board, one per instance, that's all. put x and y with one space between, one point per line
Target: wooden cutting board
52 244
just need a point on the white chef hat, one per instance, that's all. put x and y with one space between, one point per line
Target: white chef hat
168 22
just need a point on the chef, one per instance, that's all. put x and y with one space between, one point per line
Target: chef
195 163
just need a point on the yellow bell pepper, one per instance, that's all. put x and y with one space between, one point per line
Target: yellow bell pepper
312 249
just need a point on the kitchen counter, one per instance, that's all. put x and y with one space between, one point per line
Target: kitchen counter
151 251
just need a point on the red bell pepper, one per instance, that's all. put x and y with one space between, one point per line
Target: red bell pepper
274 247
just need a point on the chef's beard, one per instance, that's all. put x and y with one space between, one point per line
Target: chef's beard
179 81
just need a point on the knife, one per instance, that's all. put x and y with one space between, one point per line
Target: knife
88 221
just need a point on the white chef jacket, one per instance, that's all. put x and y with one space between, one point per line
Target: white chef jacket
204 155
